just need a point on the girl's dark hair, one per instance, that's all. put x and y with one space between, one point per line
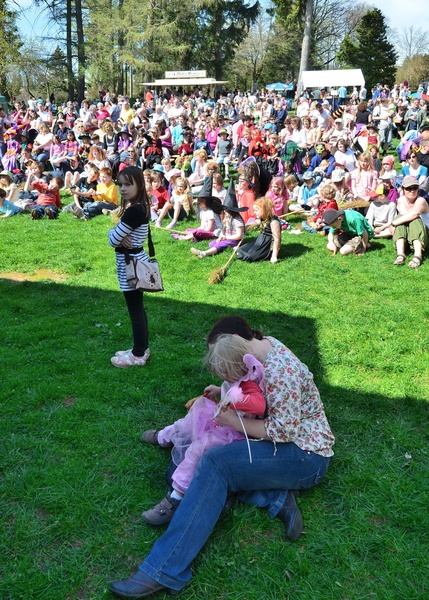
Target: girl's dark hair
134 175
235 325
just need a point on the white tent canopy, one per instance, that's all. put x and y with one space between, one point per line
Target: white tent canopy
334 78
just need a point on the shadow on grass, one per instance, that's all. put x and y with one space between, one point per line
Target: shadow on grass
70 426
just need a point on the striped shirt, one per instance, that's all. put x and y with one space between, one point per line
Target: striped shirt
135 224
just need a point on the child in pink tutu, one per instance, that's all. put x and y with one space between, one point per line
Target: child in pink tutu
194 434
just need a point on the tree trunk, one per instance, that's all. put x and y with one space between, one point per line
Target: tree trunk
305 52
149 44
120 82
80 52
69 55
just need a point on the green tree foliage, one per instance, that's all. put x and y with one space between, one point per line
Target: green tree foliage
414 70
221 26
10 43
370 50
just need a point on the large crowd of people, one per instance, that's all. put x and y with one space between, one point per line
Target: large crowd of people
335 152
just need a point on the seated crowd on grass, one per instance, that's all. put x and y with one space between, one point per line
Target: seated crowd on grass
335 153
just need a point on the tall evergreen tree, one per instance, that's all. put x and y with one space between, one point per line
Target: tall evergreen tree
370 50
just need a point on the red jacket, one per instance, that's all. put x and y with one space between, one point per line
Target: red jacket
46 196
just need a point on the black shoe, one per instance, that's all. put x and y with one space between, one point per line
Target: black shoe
139 585
35 215
50 214
291 517
151 437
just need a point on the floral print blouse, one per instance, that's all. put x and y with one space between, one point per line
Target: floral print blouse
295 411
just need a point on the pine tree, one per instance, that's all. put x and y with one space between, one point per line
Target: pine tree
370 50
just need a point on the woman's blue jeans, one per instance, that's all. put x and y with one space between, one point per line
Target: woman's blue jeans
263 482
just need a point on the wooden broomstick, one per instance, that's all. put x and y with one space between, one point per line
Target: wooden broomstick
253 226
171 230
218 275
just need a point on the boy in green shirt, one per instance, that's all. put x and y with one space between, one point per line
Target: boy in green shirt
350 231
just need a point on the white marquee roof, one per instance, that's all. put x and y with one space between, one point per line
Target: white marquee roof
334 78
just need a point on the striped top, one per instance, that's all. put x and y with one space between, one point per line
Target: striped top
135 224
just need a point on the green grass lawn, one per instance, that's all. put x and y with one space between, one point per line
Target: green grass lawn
75 476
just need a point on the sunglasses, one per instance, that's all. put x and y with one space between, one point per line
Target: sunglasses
412 188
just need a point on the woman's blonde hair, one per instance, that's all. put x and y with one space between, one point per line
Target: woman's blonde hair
225 357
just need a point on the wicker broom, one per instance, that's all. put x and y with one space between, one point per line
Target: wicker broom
218 275
359 203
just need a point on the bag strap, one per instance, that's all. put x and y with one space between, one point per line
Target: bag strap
150 243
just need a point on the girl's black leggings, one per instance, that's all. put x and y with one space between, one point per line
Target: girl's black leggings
136 310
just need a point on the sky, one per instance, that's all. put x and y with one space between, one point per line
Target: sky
398 13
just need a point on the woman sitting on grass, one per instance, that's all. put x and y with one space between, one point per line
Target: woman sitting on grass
410 229
291 449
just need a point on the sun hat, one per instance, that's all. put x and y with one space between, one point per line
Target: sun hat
331 215
409 181
308 175
124 155
157 167
7 174
223 131
337 175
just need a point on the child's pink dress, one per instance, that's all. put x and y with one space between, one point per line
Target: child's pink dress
198 431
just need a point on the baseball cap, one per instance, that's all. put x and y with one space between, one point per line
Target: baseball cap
409 181
331 215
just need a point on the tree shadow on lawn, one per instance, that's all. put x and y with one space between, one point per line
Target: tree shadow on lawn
58 340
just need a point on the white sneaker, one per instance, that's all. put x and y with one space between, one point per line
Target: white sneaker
129 360
198 253
171 225
158 223
123 352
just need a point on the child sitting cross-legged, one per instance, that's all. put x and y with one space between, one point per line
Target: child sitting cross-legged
191 436
209 209
381 212
48 201
179 205
104 197
232 230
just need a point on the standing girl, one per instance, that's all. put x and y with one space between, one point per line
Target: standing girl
129 236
